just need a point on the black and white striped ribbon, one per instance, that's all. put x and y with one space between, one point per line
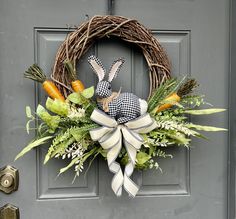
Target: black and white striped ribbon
111 135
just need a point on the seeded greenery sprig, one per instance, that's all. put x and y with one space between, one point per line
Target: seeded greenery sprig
187 87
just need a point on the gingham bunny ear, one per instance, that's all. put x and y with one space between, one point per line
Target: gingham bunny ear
115 68
97 67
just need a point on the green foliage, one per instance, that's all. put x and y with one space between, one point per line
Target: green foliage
165 89
160 93
76 98
192 101
35 143
88 92
142 158
163 154
30 117
205 128
71 164
82 159
58 107
28 112
51 121
70 67
66 138
179 127
35 73
83 99
70 124
203 111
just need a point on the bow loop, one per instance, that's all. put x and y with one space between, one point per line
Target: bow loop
110 139
103 119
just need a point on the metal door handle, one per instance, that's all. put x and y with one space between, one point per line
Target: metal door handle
9 211
9 179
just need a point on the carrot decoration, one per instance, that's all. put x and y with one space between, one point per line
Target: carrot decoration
174 98
76 84
35 73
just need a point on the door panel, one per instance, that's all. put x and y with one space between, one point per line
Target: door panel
175 178
193 184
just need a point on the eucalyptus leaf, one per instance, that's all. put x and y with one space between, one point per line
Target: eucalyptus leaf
51 121
124 160
57 106
204 111
32 145
88 92
75 98
142 158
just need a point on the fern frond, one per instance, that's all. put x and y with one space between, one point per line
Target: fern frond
64 139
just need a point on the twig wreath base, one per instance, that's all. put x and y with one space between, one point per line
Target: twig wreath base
79 41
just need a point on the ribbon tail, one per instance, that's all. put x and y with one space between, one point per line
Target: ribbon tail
129 185
115 167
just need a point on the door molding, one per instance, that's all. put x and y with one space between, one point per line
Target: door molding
232 114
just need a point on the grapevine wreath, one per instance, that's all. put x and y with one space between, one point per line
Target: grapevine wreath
83 123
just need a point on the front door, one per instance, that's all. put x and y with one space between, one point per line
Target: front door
195 35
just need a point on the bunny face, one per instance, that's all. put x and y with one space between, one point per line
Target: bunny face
103 89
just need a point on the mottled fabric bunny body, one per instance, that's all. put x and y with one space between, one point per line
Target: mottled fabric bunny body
123 107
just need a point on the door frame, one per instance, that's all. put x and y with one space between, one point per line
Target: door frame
232 115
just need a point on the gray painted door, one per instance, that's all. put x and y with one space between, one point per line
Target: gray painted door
193 184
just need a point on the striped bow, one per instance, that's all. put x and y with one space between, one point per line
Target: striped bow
111 135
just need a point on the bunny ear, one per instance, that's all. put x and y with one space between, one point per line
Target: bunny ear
97 67
115 68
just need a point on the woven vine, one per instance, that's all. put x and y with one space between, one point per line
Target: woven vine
79 41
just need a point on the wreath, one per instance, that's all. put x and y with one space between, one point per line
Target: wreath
82 124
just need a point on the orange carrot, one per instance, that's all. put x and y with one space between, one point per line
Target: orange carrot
35 73
173 98
52 90
76 84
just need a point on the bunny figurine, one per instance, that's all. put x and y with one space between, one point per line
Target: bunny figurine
123 107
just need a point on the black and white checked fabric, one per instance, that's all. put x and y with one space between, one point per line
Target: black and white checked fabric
124 108
103 89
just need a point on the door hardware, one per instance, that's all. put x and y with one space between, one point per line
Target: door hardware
9 179
9 211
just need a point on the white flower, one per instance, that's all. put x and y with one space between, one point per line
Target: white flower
75 113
